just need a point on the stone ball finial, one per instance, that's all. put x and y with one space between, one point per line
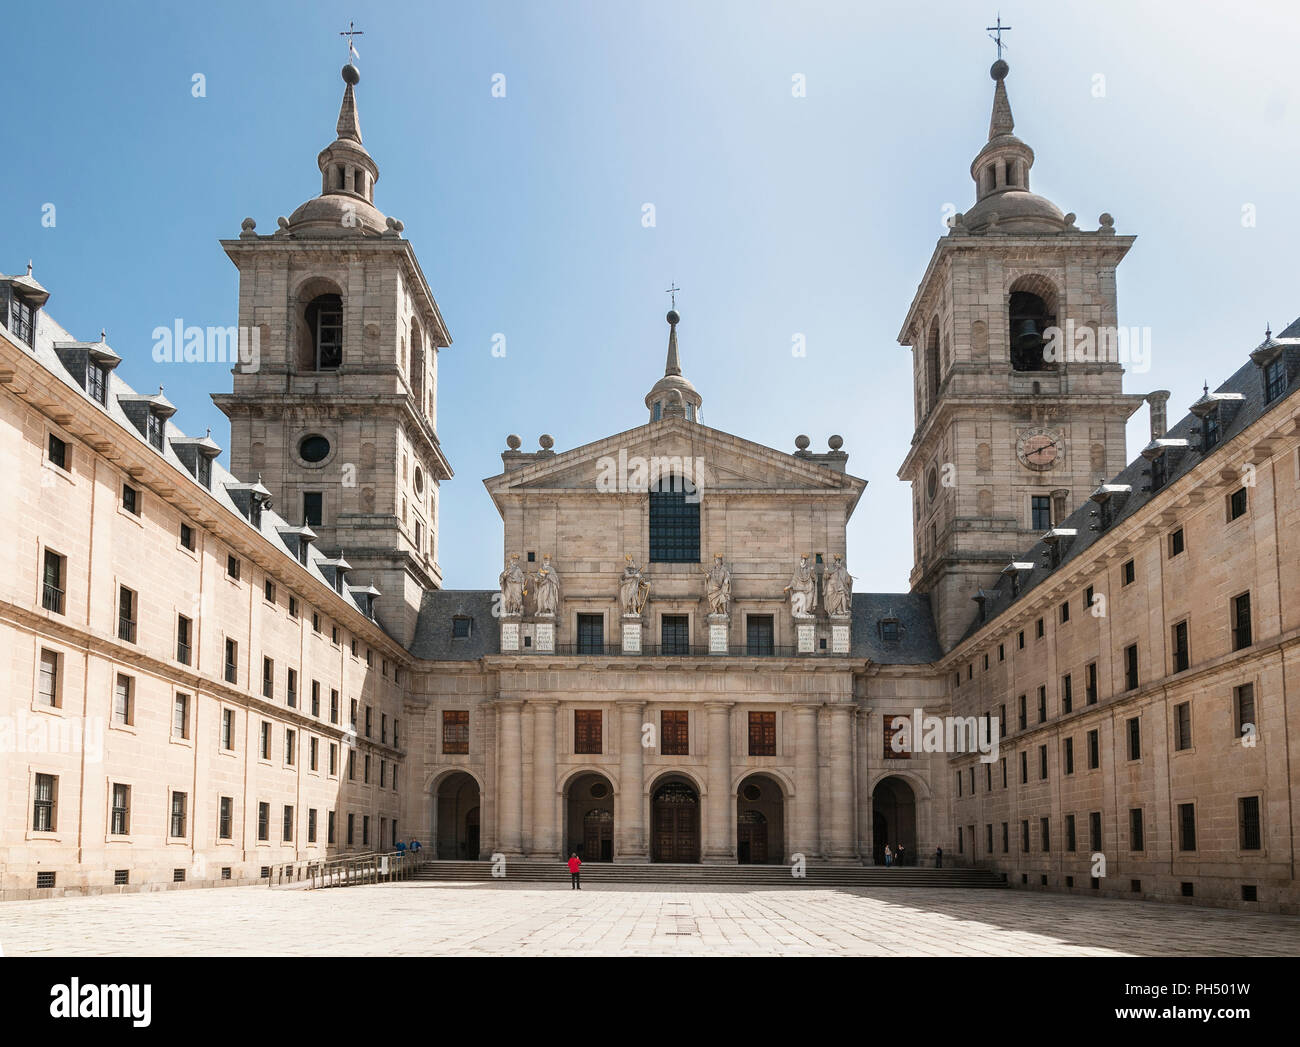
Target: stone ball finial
513 442
802 442
351 74
1106 221
835 442
546 441
248 225
282 222
999 70
673 317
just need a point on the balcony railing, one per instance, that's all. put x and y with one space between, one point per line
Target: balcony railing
671 651
125 629
183 653
52 599
232 673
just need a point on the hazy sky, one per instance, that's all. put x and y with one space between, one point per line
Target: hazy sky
777 215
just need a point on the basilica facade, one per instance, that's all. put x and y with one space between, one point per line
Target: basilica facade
1089 685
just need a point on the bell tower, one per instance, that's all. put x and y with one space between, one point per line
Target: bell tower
1014 427
337 408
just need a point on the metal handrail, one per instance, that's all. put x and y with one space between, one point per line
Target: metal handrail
348 870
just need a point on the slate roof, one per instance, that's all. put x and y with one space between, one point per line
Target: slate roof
433 640
273 527
1247 380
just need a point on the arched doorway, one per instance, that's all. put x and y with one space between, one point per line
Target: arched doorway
893 812
760 821
589 808
675 822
457 824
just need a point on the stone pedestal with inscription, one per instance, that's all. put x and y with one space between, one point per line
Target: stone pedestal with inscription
805 632
718 633
631 634
839 634
510 633
544 635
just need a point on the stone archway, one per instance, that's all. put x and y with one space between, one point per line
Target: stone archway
675 820
456 818
589 818
893 807
760 821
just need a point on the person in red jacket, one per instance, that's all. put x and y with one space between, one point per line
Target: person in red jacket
575 864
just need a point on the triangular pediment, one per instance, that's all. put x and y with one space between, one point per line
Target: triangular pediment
716 460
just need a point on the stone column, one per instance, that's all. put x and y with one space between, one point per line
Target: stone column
629 825
804 828
720 809
510 778
546 835
843 847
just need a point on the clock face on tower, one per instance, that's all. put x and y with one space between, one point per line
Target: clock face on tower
1039 448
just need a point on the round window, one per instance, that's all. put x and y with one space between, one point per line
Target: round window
932 483
419 480
752 793
599 791
314 449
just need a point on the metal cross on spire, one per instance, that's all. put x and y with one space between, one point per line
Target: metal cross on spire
995 33
673 291
350 33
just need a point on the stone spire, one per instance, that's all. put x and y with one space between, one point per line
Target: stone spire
1001 122
349 124
673 396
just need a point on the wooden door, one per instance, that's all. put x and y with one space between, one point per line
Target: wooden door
676 823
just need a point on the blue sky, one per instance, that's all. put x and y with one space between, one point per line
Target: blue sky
776 215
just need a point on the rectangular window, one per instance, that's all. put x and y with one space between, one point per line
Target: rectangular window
334 758
1248 817
1002 721
352 765
315 698
232 661
460 626
1094 750
352 821
455 731
1040 512
287 835
353 712
47 686
762 734
1024 836
1065 612
1244 700
123 704
1042 703
367 773
119 813
365 830
44 797
1042 763
130 499
126 605
1067 693
674 521
1241 630
1128 573
1044 833
225 818
1090 683
673 732
1187 826
291 746
1136 834
268 591
228 729
184 631
263 822
1176 543
1069 756
1088 595
293 607
1071 840
1134 738
1038 629
1237 504
334 706
291 689
1094 830
1183 725
587 731
58 452
760 634
988 837
313 753
181 715
264 743
367 721
312 502
1130 667
153 430
177 828
591 634
674 634
1274 379
329 827
1024 714
1182 656
311 824
97 383
268 678
1024 766
52 588
232 566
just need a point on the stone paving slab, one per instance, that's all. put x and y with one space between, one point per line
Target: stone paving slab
505 919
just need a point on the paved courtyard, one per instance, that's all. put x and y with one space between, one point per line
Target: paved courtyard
420 918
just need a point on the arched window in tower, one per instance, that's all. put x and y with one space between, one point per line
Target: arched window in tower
417 367
325 323
674 521
932 361
1029 315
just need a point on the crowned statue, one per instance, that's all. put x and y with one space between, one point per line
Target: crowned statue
717 587
837 588
803 588
633 588
513 582
546 589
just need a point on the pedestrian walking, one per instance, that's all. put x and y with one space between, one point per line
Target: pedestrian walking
900 854
889 856
575 863
938 857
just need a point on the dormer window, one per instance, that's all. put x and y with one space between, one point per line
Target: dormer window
1159 472
22 318
1209 431
1274 379
460 627
890 630
154 430
205 470
97 382
325 321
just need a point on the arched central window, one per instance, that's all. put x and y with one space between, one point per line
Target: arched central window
674 521
325 322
